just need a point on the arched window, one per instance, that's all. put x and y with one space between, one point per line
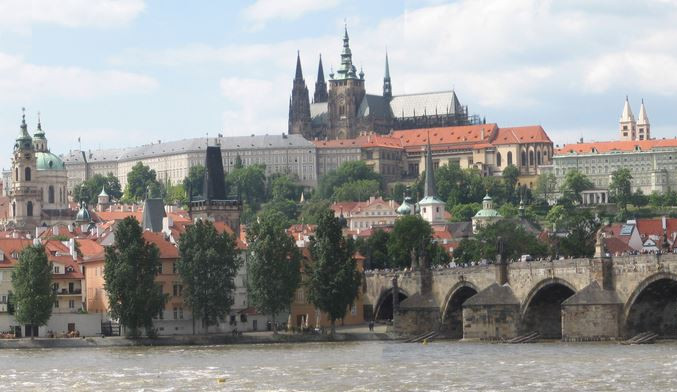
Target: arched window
538 157
509 157
29 208
50 194
13 210
16 174
531 157
498 159
27 174
524 158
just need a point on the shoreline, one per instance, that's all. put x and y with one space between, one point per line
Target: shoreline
189 340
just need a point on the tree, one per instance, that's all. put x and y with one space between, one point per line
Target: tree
411 237
249 183
515 240
359 190
398 191
176 194
208 265
508 210
347 172
130 268
274 266
464 212
333 280
312 209
195 180
139 180
546 185
288 208
620 187
283 187
375 250
88 190
510 178
33 295
574 183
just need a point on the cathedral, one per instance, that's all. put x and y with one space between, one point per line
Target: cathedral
344 110
37 191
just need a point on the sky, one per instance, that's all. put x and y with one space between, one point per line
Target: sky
118 73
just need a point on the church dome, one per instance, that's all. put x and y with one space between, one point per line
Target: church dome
83 214
49 161
404 209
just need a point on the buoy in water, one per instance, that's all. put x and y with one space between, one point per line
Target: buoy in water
425 341
221 380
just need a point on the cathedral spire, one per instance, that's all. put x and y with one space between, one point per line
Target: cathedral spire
387 86
627 124
320 85
642 118
299 72
627 115
24 139
347 70
643 126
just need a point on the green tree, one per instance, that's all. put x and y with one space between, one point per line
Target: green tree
249 183
359 190
620 187
33 295
347 172
333 280
208 265
398 191
195 180
130 268
510 178
411 236
546 186
375 250
274 266
464 212
574 183
515 241
176 194
312 209
283 187
90 189
508 210
288 208
139 180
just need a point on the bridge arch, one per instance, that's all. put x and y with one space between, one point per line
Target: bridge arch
384 305
452 310
652 306
542 308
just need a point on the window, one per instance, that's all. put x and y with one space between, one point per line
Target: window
524 158
56 304
174 267
243 318
29 208
176 313
50 194
498 159
531 158
16 174
57 270
71 304
14 210
178 289
509 157
159 270
27 174
181 313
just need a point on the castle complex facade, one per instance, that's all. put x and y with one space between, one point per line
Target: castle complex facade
346 110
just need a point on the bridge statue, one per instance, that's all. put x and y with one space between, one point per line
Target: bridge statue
599 244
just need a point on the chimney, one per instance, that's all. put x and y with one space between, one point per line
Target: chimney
36 242
70 228
71 249
665 224
482 133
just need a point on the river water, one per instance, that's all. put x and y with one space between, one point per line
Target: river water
363 366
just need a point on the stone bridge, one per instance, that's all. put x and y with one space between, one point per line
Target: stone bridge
574 299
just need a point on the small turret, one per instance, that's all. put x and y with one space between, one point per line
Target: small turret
24 140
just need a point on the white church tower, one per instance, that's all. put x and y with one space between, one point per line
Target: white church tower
628 126
643 126
431 208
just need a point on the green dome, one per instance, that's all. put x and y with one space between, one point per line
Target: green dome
486 213
83 214
404 209
49 161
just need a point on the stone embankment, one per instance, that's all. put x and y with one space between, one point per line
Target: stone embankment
186 340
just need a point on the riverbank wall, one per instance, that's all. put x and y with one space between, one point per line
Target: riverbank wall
187 340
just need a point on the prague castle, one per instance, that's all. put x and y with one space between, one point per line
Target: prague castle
346 110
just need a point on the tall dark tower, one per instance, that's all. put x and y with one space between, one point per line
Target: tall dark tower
299 104
387 86
320 85
345 95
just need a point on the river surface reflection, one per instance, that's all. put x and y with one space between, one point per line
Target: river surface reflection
363 366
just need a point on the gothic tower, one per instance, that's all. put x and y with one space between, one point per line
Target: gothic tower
320 85
643 126
24 195
387 86
299 105
345 95
627 123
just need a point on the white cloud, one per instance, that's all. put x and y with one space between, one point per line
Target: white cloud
251 103
20 15
263 11
22 80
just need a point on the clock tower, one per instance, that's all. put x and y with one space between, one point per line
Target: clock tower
25 197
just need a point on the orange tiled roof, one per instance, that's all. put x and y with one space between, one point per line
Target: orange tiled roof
105 216
167 250
90 249
365 141
619 146
654 226
519 135
467 134
10 246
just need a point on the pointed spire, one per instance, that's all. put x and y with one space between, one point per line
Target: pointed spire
627 115
39 133
642 119
347 69
321 94
23 131
299 72
429 174
387 85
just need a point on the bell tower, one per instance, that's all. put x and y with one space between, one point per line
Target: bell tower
345 95
25 198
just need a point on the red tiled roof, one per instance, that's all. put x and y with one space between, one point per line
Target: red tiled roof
654 226
9 246
365 141
167 249
619 145
519 135
105 216
90 249
468 134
